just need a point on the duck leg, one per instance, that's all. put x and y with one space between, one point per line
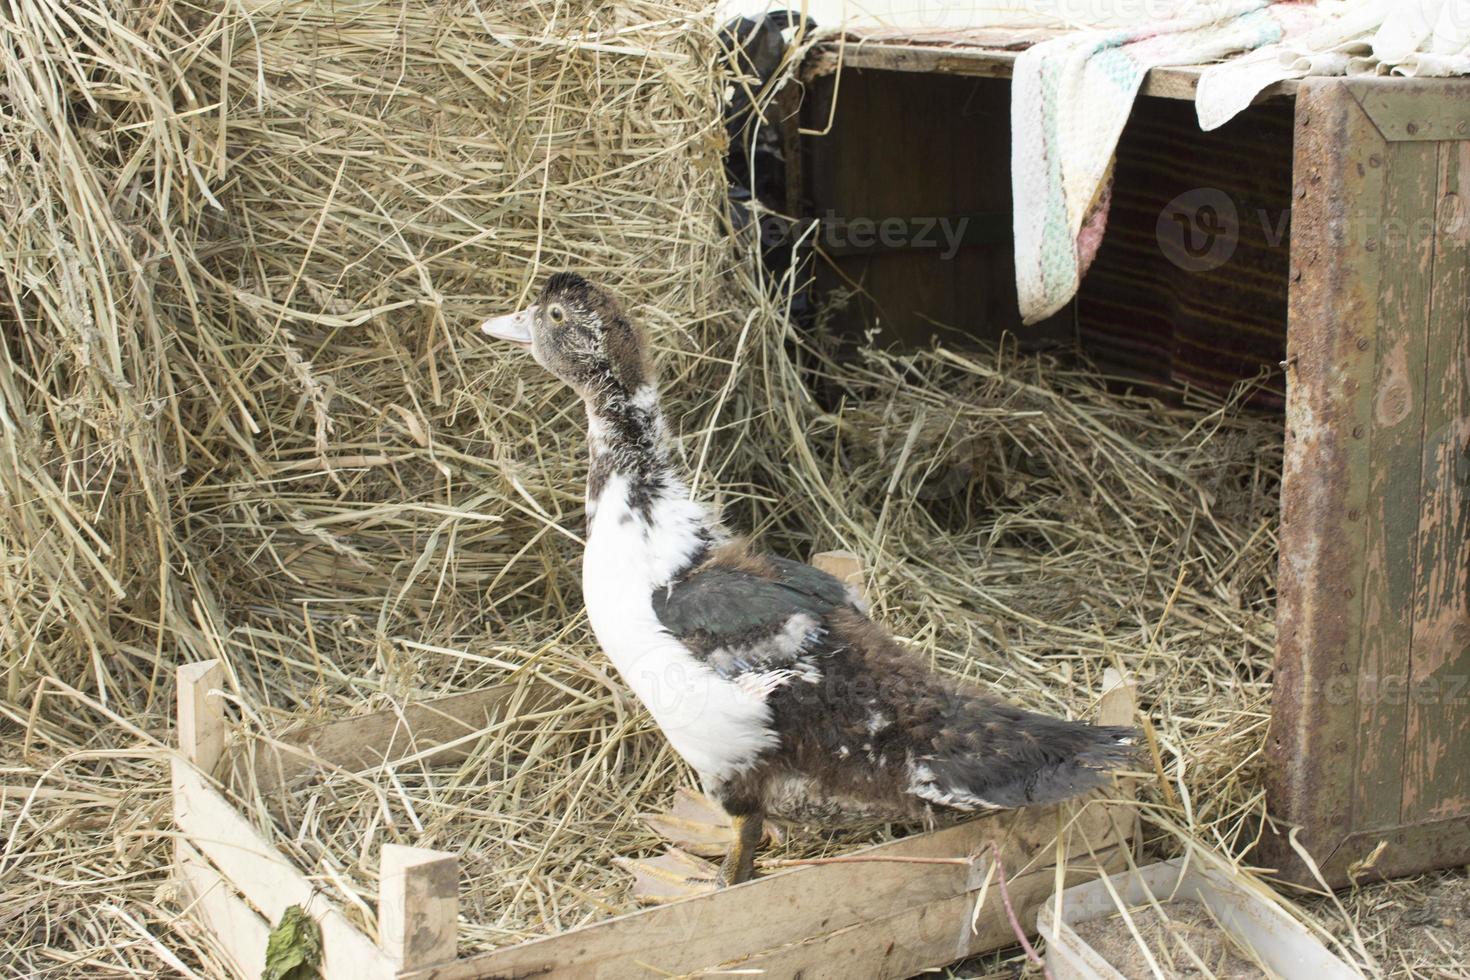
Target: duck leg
739 863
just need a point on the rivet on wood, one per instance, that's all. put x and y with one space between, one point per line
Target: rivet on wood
1349 592
1362 343
1412 128
1371 245
1357 432
1375 161
1353 514
1463 128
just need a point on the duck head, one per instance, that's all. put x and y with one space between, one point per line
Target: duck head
578 332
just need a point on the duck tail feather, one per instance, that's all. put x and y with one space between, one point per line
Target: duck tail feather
1046 763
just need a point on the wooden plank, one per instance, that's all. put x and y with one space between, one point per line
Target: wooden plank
918 939
1332 327
1437 771
445 729
1118 700
1179 82
418 905
201 719
1416 109
266 878
230 925
1393 495
786 907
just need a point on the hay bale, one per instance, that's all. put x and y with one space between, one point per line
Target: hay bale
245 412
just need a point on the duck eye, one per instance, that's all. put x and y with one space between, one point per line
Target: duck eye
556 314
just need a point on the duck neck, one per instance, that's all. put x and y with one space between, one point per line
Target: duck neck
629 446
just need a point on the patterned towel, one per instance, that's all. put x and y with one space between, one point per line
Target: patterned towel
1070 100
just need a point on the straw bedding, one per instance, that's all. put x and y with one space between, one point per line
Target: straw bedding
243 415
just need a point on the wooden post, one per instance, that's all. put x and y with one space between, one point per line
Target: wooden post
1117 705
418 906
842 565
1118 699
201 721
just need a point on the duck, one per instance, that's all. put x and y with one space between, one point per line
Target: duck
767 675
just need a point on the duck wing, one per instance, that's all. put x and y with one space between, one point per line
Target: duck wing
757 619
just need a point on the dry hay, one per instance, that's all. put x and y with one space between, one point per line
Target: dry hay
244 416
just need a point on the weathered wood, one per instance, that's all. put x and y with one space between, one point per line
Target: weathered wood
444 729
1118 699
1437 774
914 940
1415 109
201 720
1410 848
1370 728
786 907
1312 745
418 905
265 877
978 61
230 925
1392 515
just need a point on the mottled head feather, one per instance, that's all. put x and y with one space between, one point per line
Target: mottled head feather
583 337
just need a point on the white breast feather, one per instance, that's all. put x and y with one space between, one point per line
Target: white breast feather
718 726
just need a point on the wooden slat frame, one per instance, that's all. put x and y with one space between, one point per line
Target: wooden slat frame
797 905
266 878
240 883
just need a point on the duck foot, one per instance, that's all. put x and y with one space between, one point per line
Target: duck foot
696 824
669 877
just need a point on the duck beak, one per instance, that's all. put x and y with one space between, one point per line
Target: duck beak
514 327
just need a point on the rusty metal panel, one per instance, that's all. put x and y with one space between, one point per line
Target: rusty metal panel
1332 328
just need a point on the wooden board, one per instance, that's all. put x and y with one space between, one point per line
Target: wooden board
443 729
790 906
1437 777
1394 464
986 54
912 941
230 924
1370 734
266 878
